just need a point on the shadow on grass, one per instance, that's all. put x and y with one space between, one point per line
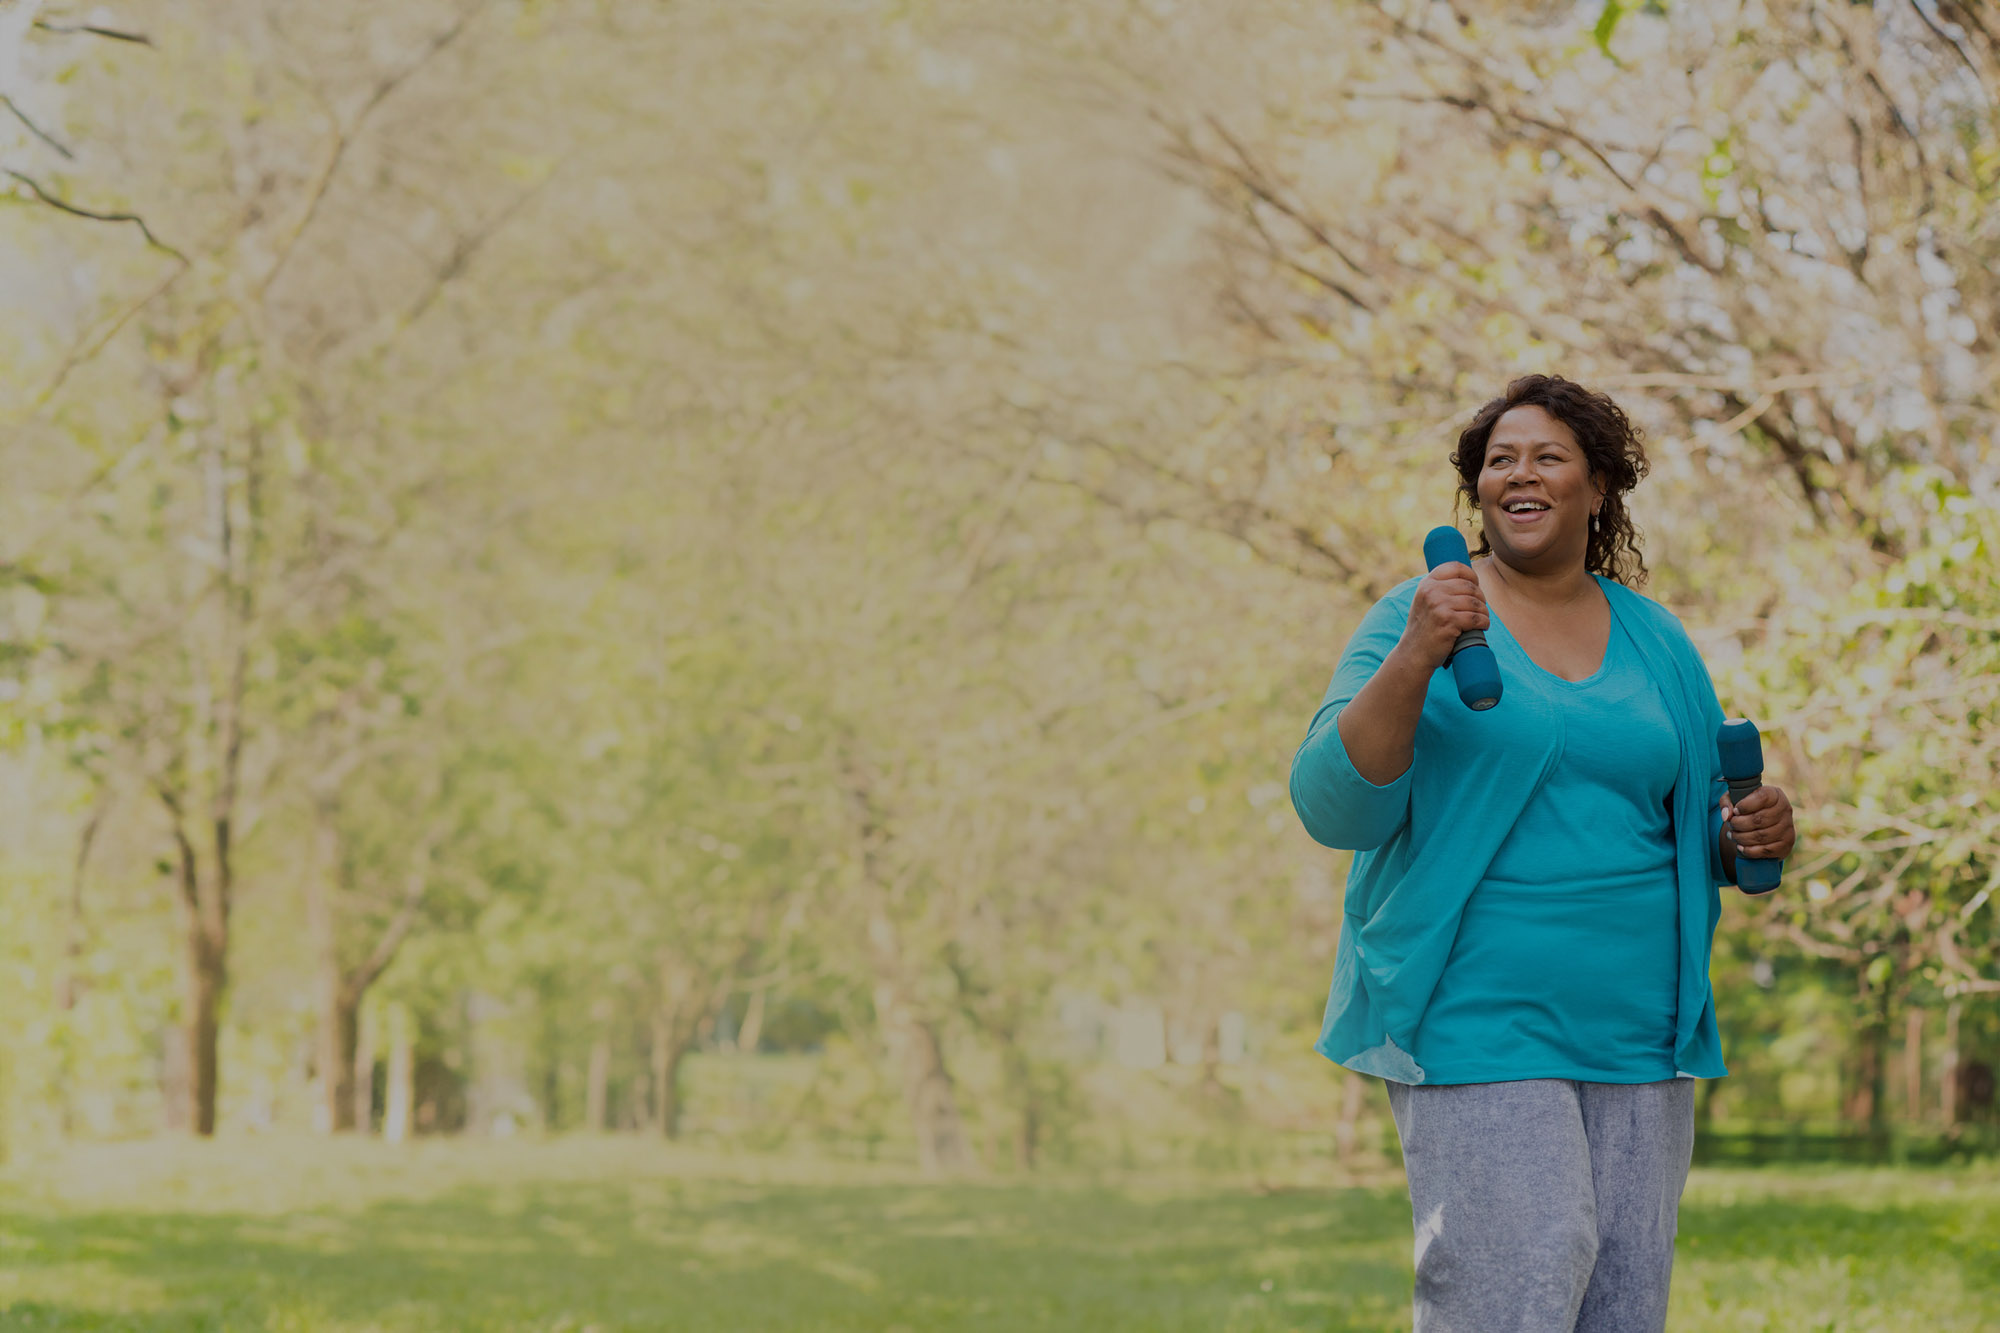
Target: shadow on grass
665 1253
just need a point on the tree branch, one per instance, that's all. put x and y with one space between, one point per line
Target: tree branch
1978 76
343 136
35 129
177 821
462 253
62 205
414 888
93 30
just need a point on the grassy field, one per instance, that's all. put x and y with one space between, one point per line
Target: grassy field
607 1235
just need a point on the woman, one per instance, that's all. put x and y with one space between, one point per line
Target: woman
1524 954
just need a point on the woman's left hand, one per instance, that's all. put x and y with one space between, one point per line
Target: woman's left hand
1761 824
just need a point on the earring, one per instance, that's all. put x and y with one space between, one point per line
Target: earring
1593 520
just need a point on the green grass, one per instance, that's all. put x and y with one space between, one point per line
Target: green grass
610 1235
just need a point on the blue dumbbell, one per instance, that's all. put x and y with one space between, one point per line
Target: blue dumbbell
1473 666
1743 769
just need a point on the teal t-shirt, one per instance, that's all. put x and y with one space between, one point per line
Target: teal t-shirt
1566 959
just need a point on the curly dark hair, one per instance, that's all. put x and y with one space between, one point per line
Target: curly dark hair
1612 449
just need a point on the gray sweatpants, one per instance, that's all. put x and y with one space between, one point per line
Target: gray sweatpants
1546 1205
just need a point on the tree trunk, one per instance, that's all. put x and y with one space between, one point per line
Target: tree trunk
66 981
67 984
1870 1072
215 751
684 1008
1864 1078
204 1021
597 1083
347 1065
915 1043
1212 1086
927 1086
663 1120
670 1084
1028 1134
364 1074
1913 1064
339 1021
752 1031
633 1117
333 1047
205 923
670 1047
1020 1081
552 1066
1878 1068
401 1091
1952 1013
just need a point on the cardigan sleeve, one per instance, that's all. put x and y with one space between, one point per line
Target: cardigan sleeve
1338 806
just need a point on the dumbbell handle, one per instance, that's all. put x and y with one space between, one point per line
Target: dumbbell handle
1742 750
1474 669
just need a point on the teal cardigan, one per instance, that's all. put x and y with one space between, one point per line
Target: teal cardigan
1423 841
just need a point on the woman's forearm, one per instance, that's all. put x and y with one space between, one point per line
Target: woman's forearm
1379 725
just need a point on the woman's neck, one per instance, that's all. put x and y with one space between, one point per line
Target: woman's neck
1546 591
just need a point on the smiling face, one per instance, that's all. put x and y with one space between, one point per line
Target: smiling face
1535 492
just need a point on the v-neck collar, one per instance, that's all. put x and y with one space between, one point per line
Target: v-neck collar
1603 663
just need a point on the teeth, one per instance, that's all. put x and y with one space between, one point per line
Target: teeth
1525 506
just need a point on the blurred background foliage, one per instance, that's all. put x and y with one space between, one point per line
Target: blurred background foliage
753 571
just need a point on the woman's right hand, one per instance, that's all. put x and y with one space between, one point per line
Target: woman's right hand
1379 725
1448 602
